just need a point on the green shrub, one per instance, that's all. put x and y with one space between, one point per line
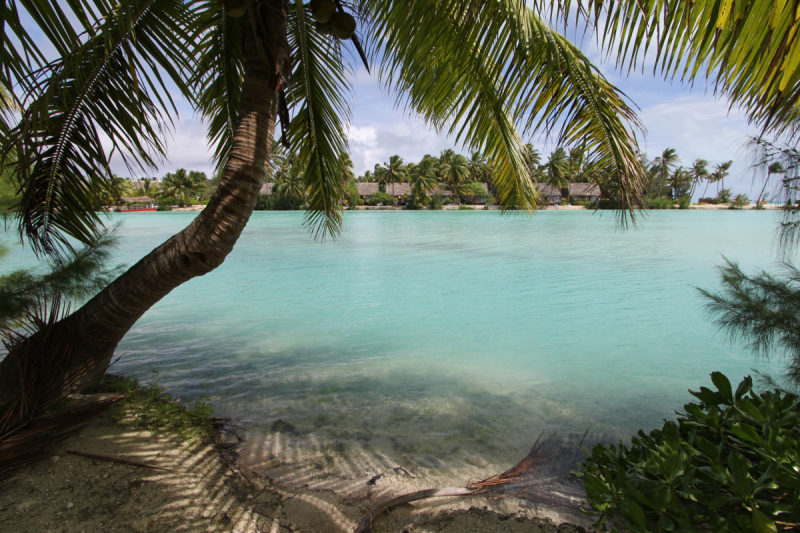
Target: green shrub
436 201
740 201
658 202
466 208
607 203
164 207
380 198
729 463
489 200
272 202
724 196
684 202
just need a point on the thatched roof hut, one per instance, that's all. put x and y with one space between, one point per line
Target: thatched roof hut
135 200
584 191
367 190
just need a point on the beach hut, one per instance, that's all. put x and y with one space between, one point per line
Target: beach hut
135 203
367 190
548 194
584 191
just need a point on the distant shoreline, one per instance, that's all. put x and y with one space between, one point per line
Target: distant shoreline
701 207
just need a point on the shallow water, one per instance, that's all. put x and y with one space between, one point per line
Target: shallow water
444 341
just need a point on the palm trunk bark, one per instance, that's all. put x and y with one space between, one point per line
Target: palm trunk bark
202 246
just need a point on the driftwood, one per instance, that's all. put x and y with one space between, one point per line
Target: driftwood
123 461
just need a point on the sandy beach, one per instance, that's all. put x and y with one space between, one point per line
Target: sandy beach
195 491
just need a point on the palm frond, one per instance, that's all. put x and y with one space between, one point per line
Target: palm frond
749 49
316 99
220 67
480 69
108 79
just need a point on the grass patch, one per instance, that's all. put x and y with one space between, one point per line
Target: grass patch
151 408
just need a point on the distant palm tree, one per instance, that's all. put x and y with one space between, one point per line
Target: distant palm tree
422 179
699 172
178 185
720 173
576 165
477 167
290 185
393 172
663 165
774 168
454 172
532 160
680 182
558 171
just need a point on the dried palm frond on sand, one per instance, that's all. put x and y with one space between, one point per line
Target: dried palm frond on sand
541 477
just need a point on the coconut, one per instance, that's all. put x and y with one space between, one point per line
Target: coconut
323 29
343 25
322 10
235 8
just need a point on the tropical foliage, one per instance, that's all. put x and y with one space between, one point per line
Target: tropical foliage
728 464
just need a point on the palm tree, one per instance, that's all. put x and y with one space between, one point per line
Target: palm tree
422 178
776 167
720 173
236 71
680 182
477 167
699 172
393 172
179 185
290 184
558 171
454 171
532 160
346 166
663 165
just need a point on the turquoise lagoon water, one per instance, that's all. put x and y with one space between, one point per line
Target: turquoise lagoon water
444 341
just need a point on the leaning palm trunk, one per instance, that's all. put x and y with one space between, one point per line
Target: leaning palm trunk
200 248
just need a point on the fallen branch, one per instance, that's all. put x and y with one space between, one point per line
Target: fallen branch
365 526
123 461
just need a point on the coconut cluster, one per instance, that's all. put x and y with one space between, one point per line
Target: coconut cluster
328 21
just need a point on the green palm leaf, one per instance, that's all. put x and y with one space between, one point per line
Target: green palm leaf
749 48
478 69
108 79
218 81
316 98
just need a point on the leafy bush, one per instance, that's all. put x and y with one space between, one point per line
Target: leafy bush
164 207
729 463
684 202
658 202
724 196
713 201
272 202
740 201
489 200
380 198
436 201
607 203
466 208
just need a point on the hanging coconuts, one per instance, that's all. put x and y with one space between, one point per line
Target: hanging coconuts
323 29
236 8
343 25
322 10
